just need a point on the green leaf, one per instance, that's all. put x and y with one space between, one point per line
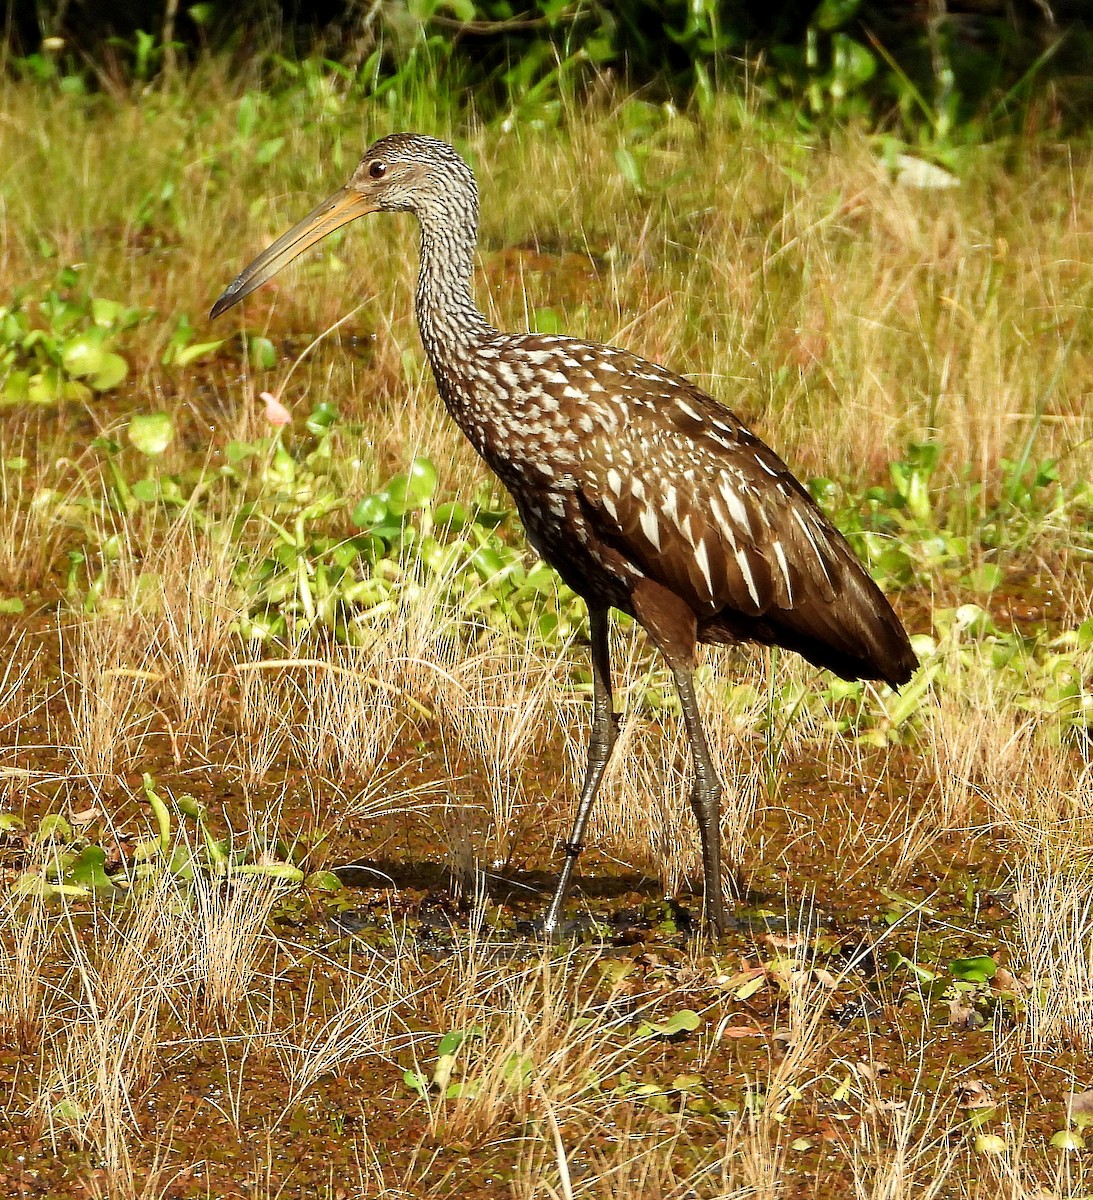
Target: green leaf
83 355
151 433
268 150
987 577
684 1021
628 167
747 990
830 14
261 352
323 881
488 563
453 515
450 1042
322 416
237 452
11 605
421 479
974 970
105 313
53 828
87 870
282 470
369 511
30 883
546 321
160 811
416 1082
189 354
16 386
68 1112
406 493
905 704
854 64
147 491
189 807
113 370
922 974
518 1070
286 871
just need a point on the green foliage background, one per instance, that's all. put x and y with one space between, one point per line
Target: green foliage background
980 65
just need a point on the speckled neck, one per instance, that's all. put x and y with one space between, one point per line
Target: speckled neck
451 325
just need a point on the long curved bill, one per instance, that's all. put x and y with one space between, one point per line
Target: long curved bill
344 206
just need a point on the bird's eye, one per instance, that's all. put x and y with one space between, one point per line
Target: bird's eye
377 169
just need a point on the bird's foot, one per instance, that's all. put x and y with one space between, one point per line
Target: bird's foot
561 929
715 930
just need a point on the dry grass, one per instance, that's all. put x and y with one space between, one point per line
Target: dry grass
500 711
104 1038
25 952
363 1017
109 703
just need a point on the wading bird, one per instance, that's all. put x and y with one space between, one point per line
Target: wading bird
642 492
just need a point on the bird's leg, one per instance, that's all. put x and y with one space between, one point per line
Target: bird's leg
705 797
605 729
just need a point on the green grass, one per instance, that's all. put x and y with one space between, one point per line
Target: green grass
238 656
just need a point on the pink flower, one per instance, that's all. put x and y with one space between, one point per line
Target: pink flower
275 412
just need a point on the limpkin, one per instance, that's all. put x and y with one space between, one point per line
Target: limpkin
643 492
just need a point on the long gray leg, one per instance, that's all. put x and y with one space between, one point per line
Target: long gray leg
705 798
605 729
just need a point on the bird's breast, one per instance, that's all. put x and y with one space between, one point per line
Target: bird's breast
519 421
532 406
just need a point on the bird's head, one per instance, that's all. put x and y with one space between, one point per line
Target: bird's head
406 172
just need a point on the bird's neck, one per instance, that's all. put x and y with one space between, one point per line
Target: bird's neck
451 325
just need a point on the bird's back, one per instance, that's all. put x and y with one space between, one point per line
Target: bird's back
622 470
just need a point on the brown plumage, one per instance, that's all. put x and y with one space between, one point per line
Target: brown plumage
644 493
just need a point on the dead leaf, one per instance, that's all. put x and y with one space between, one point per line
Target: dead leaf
963 1016
779 942
745 984
741 1031
920 174
973 1093
1005 981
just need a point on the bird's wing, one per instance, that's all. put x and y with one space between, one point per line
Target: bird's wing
683 490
